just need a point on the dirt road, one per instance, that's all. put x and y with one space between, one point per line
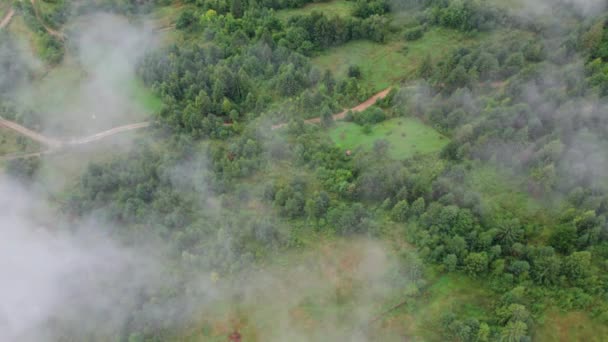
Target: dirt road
7 18
53 143
361 107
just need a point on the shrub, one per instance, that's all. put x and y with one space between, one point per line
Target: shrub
414 33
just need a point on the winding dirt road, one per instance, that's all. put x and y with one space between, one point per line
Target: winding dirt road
361 107
54 143
7 18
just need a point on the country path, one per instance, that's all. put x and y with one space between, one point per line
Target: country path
7 18
359 108
54 143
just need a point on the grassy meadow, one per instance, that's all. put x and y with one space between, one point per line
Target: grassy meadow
406 137
335 7
387 64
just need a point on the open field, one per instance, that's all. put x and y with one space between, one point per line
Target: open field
335 7
24 35
558 326
453 293
119 103
337 287
383 65
506 191
406 137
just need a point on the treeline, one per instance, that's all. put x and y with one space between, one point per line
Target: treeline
199 84
315 32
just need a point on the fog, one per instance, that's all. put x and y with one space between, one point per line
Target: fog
81 283
95 88
54 280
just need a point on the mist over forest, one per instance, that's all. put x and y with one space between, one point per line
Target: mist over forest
304 170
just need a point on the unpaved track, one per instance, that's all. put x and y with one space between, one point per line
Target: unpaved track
7 18
361 107
56 143
53 143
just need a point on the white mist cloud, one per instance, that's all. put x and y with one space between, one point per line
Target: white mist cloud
95 88
55 282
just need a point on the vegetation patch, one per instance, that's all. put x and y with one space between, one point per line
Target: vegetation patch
340 8
52 99
406 137
387 64
11 142
571 326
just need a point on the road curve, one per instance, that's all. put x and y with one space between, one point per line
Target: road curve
56 143
7 18
53 143
359 108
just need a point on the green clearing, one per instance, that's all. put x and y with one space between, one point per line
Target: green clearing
406 137
54 97
571 326
321 305
505 191
383 65
24 35
455 293
166 16
144 96
337 7
163 19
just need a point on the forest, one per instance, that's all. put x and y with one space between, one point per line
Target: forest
362 170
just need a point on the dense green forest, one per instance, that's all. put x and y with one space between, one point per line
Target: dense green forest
470 196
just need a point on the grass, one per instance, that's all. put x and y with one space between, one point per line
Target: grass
19 29
572 326
383 65
340 8
505 191
71 102
61 171
455 293
406 137
144 96
11 142
323 293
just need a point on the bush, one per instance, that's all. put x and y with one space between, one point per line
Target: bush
414 33
354 71
372 115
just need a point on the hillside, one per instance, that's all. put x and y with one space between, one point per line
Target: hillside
240 170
